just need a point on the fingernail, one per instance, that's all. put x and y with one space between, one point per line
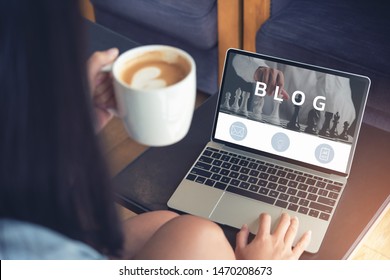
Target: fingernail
244 227
113 52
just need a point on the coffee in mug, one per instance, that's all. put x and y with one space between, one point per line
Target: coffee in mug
155 90
156 69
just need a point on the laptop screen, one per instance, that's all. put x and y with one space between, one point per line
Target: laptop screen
293 111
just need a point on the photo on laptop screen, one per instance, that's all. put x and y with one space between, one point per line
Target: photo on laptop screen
293 112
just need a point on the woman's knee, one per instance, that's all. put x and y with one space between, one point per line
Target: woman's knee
153 218
188 237
165 215
200 227
202 237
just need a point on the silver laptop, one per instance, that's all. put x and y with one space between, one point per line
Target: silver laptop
283 140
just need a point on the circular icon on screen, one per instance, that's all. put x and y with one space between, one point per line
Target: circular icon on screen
280 142
238 131
324 153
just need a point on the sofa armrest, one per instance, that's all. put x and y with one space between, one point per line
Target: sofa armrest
255 13
229 29
87 10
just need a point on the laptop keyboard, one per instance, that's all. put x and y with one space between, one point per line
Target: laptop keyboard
276 185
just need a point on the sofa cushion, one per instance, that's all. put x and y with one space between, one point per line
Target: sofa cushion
194 22
340 34
336 29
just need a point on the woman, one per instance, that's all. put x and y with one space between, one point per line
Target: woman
55 198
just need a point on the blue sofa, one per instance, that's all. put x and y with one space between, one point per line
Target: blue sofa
349 35
187 24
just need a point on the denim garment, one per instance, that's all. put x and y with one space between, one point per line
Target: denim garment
26 241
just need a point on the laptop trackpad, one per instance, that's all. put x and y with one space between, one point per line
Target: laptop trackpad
195 198
235 210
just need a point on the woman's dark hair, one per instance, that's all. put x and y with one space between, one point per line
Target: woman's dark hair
51 169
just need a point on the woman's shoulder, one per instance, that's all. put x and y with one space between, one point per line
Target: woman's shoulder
23 240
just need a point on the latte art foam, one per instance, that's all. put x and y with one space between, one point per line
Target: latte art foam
148 78
154 70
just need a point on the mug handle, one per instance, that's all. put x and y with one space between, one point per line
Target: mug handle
107 68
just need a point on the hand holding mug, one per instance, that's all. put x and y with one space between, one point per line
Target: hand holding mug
101 85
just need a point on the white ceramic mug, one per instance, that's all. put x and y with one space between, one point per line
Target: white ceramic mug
160 116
